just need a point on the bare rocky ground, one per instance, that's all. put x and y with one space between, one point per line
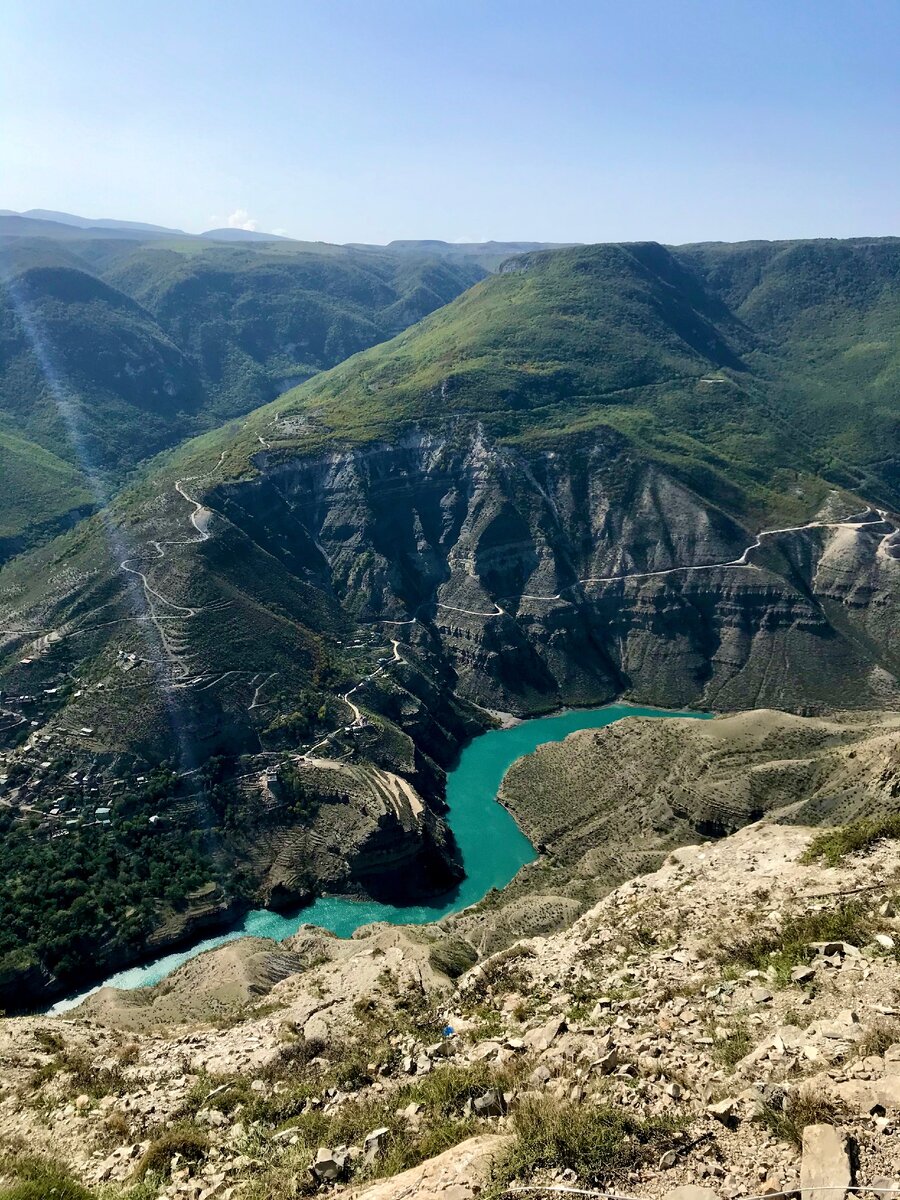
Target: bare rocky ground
683 1032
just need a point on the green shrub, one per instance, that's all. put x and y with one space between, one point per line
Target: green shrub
442 1123
40 1179
83 1075
876 1039
187 1140
453 956
833 845
295 1056
806 1106
788 948
599 1144
729 1050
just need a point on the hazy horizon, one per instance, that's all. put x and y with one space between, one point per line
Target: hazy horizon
589 122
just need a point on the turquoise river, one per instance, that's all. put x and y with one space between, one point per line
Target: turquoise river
492 845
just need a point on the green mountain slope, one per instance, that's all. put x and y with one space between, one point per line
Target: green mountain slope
735 391
256 322
111 351
35 481
828 314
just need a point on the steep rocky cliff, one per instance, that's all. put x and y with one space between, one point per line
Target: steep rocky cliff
577 574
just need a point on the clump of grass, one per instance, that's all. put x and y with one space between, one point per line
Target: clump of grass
442 1123
186 1140
788 948
294 1058
490 1023
453 957
737 1043
128 1054
49 1040
83 1077
833 845
599 1143
806 1106
641 938
303 1067
39 1179
685 989
876 1039
117 1125
505 972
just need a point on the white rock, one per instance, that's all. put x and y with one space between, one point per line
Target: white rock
824 1165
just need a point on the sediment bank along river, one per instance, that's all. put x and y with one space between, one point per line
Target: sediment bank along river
492 845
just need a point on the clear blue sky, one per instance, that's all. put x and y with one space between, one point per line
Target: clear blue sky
366 120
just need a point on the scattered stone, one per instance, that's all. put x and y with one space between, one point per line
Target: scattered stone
544 1036
723 1110
327 1165
884 1188
876 1096
803 975
607 1063
485 1050
373 1144
491 1104
835 949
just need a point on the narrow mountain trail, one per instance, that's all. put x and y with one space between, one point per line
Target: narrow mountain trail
358 718
162 611
498 611
743 561
199 518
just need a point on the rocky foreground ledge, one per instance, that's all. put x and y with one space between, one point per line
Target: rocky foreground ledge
730 1022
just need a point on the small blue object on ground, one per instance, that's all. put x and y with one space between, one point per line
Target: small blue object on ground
448 1031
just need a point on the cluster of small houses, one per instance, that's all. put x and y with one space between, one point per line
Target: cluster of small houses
77 799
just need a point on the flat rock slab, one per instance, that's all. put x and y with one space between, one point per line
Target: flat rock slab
825 1163
689 1192
457 1174
864 1095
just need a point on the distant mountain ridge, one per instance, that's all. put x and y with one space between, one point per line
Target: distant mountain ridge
228 234
64 218
43 222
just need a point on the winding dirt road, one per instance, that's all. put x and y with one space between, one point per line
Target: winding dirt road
878 517
201 516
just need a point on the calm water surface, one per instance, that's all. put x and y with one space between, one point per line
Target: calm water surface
492 845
